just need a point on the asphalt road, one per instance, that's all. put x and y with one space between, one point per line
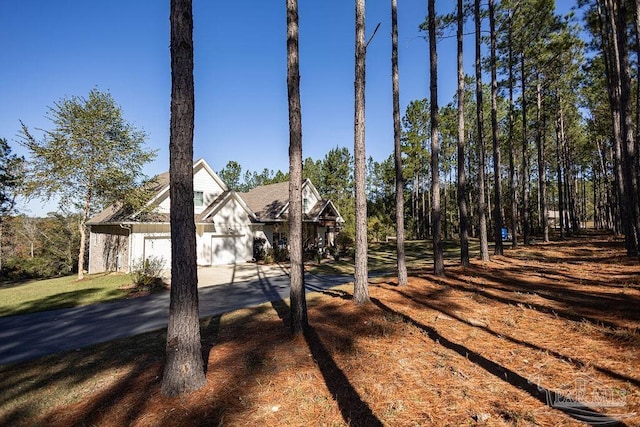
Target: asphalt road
29 336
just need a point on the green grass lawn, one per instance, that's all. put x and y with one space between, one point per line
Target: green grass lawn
61 292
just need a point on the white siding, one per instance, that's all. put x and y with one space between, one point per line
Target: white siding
108 248
203 243
231 215
228 239
164 205
158 248
310 196
232 238
203 181
231 249
140 248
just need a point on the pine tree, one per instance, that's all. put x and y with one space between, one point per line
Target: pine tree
482 201
397 131
184 370
436 213
462 179
497 161
361 288
297 290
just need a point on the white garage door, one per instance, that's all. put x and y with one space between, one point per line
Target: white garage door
158 248
228 249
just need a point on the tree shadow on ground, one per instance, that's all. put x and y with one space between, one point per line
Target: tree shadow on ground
354 410
426 301
136 363
210 330
240 363
10 283
572 292
592 310
272 295
77 369
578 411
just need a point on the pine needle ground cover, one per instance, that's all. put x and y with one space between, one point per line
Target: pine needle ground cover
546 335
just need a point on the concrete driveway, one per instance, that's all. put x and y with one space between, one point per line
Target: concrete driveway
225 274
221 289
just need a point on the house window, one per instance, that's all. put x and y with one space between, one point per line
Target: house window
198 199
305 205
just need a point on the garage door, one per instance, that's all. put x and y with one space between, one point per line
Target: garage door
158 248
228 249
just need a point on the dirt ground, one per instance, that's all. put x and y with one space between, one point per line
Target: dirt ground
545 335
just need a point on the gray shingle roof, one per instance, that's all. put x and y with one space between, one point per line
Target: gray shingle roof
116 212
267 201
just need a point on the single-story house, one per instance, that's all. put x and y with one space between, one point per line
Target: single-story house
227 223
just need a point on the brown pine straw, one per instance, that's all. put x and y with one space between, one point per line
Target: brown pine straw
482 346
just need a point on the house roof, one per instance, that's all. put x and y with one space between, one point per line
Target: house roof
268 201
116 213
326 209
159 188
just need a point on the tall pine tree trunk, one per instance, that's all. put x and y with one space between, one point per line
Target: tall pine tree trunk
462 178
361 290
513 187
482 200
296 290
525 155
414 206
637 116
626 124
621 221
436 213
497 161
397 131
611 55
571 191
542 170
183 371
559 137
605 204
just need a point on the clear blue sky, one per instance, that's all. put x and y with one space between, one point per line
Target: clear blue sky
54 49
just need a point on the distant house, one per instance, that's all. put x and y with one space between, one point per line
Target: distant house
227 223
